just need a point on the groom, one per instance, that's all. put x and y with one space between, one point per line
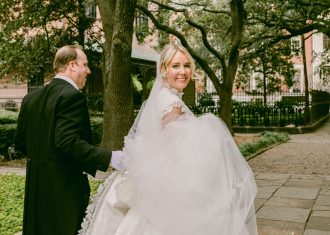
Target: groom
54 133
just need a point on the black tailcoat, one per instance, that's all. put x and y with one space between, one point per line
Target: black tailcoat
54 133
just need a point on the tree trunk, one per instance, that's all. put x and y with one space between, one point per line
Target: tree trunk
117 20
226 107
264 78
81 23
229 73
307 112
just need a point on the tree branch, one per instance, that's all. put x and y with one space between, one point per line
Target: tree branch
204 38
202 62
167 7
201 5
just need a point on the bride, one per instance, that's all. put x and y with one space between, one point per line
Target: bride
184 174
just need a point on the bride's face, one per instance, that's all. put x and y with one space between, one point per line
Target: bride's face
179 71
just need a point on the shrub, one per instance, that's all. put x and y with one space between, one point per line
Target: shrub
8 117
8 125
8 121
7 133
10 105
242 121
267 139
283 122
266 121
95 103
205 100
97 129
252 121
298 121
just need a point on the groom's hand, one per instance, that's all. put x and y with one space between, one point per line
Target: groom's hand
117 160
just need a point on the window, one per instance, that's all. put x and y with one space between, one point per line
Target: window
295 44
141 20
297 80
326 42
91 11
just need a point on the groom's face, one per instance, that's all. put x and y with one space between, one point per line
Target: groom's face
81 69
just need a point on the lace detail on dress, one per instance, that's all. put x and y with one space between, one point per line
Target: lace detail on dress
166 110
92 207
168 99
176 92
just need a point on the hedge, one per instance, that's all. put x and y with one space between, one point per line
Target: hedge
8 123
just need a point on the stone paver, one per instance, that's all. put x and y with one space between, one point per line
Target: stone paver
323 200
319 223
275 182
290 202
305 183
273 227
294 186
281 213
315 232
302 193
266 192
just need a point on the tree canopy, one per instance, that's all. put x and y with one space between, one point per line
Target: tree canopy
31 31
216 33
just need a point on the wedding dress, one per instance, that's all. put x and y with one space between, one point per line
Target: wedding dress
187 177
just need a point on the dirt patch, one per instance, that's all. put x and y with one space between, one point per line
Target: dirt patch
245 138
17 163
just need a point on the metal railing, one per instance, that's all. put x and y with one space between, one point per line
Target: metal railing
281 109
278 109
11 96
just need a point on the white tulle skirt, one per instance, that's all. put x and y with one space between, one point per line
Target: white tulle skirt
190 180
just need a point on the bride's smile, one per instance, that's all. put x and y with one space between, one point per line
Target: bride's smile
179 71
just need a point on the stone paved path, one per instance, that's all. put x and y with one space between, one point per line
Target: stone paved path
294 186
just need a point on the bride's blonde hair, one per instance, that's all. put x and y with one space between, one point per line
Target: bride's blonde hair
167 55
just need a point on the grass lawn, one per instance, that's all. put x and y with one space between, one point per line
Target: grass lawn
12 199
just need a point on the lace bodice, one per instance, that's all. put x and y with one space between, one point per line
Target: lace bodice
170 98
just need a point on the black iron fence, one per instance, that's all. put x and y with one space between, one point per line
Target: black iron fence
258 98
276 109
320 104
258 115
254 115
248 109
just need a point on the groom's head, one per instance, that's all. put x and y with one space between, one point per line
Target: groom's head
71 61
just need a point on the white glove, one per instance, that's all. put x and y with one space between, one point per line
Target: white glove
117 160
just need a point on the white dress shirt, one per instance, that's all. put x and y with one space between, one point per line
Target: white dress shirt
69 80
